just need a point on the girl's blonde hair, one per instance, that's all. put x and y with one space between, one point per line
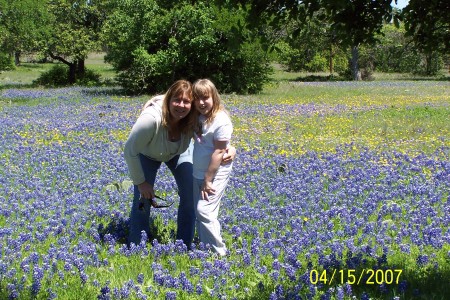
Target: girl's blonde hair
178 88
204 88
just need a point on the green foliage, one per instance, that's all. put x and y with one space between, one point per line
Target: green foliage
347 23
428 24
289 57
90 78
151 46
318 63
6 62
296 59
395 52
22 23
57 76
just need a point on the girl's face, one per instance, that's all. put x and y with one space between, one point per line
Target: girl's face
180 106
204 105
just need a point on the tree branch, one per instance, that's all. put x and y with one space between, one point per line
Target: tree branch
59 58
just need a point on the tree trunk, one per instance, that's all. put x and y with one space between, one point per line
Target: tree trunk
331 60
72 73
81 69
428 61
354 64
17 58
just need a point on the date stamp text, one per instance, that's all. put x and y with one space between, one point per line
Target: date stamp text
355 277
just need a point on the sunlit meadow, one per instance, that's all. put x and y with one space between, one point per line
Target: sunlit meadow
339 191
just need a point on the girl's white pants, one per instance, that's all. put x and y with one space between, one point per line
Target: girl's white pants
207 211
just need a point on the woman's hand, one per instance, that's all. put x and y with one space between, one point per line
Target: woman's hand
146 190
229 156
148 103
207 190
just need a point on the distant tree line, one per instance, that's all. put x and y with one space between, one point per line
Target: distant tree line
150 43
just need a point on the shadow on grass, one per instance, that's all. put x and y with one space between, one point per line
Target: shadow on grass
16 86
319 78
332 78
117 229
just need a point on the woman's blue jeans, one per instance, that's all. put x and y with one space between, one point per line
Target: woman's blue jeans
181 168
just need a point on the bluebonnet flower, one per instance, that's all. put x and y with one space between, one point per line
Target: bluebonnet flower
365 296
276 265
140 278
186 285
402 286
13 293
51 294
35 287
275 275
199 289
83 277
348 289
125 291
104 293
194 271
246 259
422 260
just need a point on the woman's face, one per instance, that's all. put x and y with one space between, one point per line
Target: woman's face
180 106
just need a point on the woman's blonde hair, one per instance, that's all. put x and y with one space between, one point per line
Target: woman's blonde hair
178 88
204 88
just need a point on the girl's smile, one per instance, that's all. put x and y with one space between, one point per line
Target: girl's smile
204 105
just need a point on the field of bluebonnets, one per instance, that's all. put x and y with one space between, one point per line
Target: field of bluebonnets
339 191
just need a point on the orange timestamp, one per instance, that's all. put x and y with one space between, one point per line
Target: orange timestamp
353 276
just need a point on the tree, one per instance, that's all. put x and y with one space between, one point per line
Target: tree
353 22
152 43
23 23
428 23
310 47
75 32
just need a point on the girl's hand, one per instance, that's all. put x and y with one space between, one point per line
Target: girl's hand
207 190
229 156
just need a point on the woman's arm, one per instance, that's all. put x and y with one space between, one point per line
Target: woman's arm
216 159
141 134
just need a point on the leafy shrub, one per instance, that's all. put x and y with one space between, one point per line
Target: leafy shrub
90 78
290 58
6 62
57 76
340 61
318 63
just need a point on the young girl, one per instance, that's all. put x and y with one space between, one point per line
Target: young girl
212 136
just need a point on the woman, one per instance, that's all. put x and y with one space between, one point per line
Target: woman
163 133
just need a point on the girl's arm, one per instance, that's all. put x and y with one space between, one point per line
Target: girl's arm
229 156
216 159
